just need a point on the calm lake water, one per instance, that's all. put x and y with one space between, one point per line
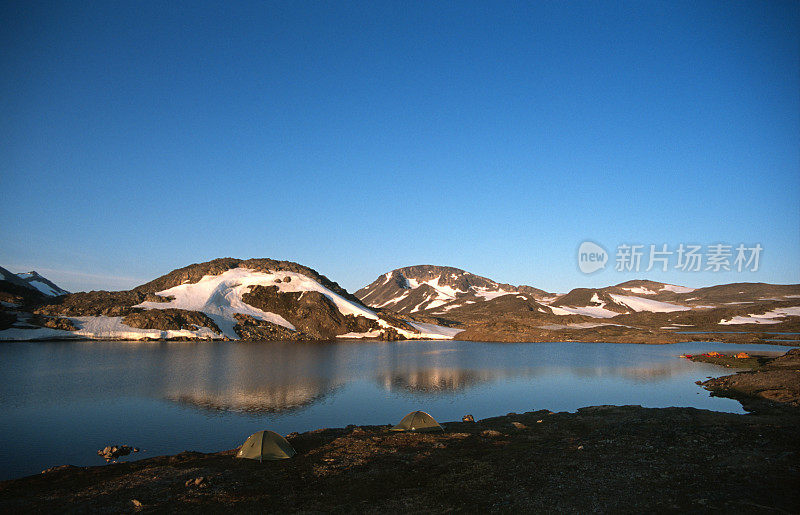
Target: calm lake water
61 401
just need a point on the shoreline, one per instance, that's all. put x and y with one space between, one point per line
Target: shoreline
609 458
743 338
606 458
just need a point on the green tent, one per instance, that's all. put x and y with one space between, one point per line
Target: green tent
266 445
418 421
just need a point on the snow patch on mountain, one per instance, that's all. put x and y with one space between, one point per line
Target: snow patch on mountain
677 289
642 304
444 292
640 290
435 332
589 311
394 300
44 288
102 328
770 317
220 297
489 295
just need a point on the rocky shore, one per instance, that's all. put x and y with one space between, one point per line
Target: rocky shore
601 458
770 384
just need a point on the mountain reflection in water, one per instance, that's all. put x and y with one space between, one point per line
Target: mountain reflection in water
207 396
276 377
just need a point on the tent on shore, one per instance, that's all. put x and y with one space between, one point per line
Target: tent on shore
418 421
266 445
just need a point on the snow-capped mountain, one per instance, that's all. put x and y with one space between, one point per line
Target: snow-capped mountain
265 299
602 303
651 288
654 297
11 278
44 285
33 281
431 288
257 299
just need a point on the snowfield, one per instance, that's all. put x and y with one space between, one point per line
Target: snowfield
629 301
770 317
42 287
589 311
641 290
642 304
677 289
220 297
102 328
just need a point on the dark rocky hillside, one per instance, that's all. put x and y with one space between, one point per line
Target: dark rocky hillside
427 287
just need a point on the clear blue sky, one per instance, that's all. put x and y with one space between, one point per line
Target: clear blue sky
138 137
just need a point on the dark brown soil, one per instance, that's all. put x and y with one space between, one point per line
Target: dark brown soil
624 459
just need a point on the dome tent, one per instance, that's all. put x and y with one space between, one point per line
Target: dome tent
418 421
266 445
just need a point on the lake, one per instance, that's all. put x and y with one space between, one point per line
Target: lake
62 401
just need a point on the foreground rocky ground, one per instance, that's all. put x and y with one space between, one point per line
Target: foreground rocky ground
602 458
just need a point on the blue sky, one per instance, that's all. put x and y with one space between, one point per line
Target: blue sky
138 137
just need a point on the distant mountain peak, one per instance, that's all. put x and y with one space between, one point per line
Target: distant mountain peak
33 281
418 288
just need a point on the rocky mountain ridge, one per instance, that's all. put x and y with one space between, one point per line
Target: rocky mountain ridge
266 299
225 299
427 287
638 310
23 288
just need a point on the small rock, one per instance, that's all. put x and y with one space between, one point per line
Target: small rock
580 447
539 421
287 279
136 502
467 418
199 482
111 452
491 432
59 467
519 425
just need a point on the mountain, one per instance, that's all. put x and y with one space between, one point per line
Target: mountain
632 311
266 299
44 285
228 299
615 300
640 295
19 289
436 289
